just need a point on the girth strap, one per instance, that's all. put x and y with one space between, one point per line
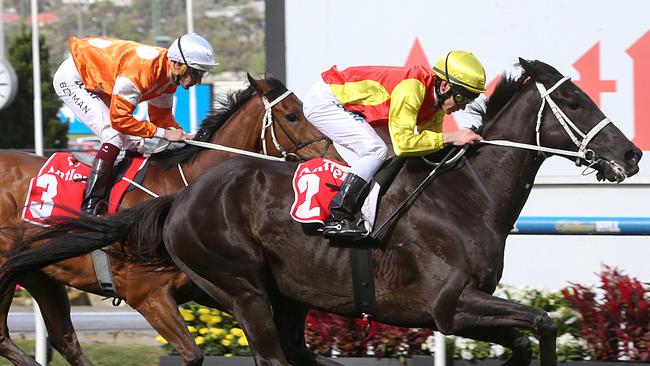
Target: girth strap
363 281
102 265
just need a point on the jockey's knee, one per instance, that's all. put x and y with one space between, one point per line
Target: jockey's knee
377 150
369 162
380 151
110 136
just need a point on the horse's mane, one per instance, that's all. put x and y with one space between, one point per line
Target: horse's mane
225 107
507 87
505 90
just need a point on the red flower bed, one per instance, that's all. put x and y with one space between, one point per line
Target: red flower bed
326 332
615 325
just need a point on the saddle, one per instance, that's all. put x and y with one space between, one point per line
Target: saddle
58 188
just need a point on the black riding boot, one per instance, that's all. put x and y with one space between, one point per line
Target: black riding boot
97 187
341 221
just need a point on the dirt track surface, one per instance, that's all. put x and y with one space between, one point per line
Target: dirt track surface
112 336
147 338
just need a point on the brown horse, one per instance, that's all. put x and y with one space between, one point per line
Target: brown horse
155 294
437 267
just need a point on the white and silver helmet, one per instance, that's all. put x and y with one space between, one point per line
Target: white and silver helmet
194 51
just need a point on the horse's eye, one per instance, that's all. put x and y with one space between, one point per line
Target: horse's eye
292 117
574 105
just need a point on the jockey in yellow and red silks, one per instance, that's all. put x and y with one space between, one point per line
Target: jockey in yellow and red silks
347 106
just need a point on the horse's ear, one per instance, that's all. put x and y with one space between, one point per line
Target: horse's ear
255 84
250 79
527 66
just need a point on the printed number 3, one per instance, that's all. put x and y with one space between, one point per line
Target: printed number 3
309 183
45 207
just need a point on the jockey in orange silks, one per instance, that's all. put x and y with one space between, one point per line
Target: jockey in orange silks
103 81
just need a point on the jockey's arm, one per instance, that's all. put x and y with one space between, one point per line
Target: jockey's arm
160 112
124 99
432 124
406 100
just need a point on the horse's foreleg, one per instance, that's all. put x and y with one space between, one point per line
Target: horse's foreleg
53 301
289 318
8 348
475 309
161 311
249 302
518 342
252 309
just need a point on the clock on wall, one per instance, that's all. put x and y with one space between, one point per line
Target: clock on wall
8 84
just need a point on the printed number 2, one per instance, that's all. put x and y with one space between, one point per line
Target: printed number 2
45 207
309 183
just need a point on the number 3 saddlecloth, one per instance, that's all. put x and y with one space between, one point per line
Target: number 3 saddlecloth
58 189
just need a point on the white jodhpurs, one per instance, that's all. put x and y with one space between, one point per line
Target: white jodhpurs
347 129
90 108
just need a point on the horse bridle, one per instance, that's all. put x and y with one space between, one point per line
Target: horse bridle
588 155
569 127
268 123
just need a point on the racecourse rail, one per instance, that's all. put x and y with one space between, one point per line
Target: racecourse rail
558 225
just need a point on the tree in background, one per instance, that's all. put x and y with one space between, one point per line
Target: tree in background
17 120
235 28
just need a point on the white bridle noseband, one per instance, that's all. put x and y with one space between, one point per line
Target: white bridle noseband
569 127
267 122
588 155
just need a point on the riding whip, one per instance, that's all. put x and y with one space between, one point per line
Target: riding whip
390 220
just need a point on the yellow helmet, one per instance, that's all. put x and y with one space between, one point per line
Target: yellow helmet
463 69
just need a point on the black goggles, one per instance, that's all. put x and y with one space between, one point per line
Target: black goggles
463 98
195 73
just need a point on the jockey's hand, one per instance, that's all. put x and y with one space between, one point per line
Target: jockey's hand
190 136
174 135
461 137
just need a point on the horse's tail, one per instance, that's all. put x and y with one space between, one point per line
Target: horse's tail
139 229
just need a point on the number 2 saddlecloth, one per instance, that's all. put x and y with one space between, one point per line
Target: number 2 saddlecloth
315 183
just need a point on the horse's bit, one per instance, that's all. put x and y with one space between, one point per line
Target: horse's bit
587 155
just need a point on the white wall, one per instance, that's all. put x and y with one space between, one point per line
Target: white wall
552 261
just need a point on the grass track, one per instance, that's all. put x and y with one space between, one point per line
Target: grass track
105 354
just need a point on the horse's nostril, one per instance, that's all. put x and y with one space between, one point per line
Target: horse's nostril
632 157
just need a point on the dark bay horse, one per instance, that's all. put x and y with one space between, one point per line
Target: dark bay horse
238 123
437 268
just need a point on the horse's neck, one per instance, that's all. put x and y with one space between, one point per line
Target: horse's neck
241 131
508 173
